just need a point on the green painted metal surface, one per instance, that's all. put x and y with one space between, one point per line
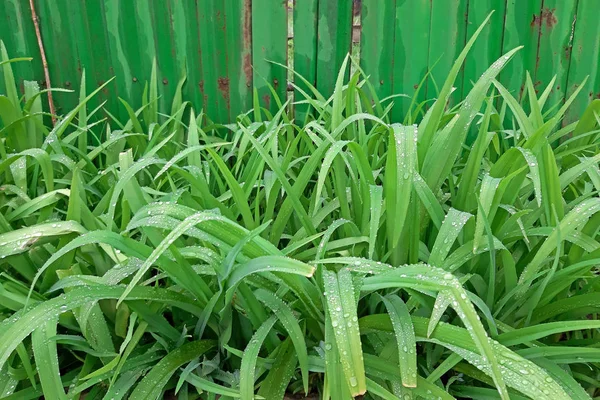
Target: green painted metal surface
557 30
15 23
269 43
333 41
585 57
520 29
411 52
224 48
305 20
377 44
488 48
448 37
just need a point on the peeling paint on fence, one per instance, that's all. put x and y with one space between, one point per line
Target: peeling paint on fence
226 48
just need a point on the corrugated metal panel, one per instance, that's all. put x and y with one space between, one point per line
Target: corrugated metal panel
488 48
585 56
448 38
411 52
269 43
334 41
520 29
17 32
222 47
305 48
377 44
557 29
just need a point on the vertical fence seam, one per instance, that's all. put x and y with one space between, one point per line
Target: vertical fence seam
537 51
317 43
571 41
497 102
393 50
464 42
503 27
429 50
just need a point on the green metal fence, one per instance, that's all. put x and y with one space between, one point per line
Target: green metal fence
222 46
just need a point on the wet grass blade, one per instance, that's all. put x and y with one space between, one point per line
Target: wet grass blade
341 306
279 237
46 360
247 369
405 338
151 387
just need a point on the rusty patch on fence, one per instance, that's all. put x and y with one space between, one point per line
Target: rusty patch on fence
536 21
223 84
104 89
267 100
568 50
247 37
170 12
204 95
549 17
521 90
546 16
247 66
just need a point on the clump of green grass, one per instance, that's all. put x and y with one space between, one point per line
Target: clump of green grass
344 255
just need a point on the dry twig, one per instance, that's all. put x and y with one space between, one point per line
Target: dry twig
38 34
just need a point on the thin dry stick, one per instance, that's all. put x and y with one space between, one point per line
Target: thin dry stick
36 24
